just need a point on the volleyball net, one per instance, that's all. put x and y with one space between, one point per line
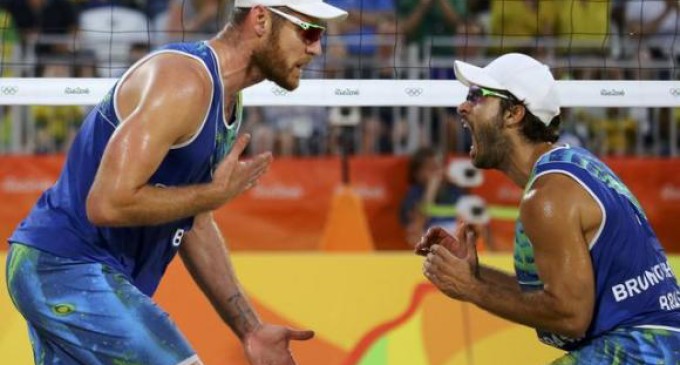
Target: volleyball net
384 70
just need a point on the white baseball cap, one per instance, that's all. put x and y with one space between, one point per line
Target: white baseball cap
528 80
313 8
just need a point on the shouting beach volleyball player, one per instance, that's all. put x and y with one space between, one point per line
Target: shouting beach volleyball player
590 274
151 162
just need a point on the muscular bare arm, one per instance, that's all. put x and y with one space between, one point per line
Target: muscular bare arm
498 278
162 104
559 217
205 255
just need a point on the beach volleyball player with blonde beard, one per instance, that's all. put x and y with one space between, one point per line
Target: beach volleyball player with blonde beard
153 159
590 274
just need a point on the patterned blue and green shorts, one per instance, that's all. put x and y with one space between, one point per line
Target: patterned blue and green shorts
629 346
86 313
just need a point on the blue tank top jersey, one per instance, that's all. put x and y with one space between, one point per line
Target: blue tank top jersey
58 223
634 284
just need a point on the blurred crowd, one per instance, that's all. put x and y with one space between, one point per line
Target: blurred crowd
387 39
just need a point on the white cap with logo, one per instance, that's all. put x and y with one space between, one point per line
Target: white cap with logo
528 80
313 8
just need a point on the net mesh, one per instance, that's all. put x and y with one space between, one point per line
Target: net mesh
580 39
390 40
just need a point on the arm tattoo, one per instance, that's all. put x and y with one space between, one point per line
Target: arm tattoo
239 315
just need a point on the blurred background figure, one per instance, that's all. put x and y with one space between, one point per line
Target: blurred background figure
189 19
654 24
109 28
56 126
521 23
439 195
293 130
368 36
428 186
39 20
424 22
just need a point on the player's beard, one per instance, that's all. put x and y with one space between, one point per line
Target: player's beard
492 146
271 62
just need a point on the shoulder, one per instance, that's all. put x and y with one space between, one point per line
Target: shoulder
178 71
558 200
553 189
169 80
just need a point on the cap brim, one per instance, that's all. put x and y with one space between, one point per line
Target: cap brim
319 10
472 75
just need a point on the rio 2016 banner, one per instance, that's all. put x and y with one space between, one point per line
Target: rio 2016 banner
288 209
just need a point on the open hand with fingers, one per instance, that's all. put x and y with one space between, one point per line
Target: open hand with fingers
451 263
269 344
234 176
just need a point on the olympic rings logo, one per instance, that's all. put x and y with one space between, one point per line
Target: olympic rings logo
413 91
9 90
675 91
279 91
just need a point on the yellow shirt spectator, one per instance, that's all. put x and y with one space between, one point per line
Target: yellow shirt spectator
584 23
521 21
8 40
55 126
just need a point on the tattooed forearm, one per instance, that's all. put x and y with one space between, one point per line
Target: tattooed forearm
239 315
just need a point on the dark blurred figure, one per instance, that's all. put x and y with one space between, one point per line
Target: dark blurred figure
38 18
428 187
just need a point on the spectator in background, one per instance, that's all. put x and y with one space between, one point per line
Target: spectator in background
109 28
189 18
35 18
519 23
655 23
158 13
368 35
56 126
420 20
584 27
428 186
8 42
86 64
423 18
297 130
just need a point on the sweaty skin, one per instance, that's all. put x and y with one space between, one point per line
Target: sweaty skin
559 216
162 104
156 116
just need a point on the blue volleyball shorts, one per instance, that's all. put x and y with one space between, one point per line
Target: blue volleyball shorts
629 346
86 313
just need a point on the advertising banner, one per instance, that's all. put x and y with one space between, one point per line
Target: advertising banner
290 206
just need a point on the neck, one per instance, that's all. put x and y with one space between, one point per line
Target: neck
234 54
521 161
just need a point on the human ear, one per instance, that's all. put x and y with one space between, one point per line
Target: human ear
513 116
259 14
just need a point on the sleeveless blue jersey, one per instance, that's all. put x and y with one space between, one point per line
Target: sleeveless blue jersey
634 284
58 223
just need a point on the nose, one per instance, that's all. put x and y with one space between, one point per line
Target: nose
315 48
464 108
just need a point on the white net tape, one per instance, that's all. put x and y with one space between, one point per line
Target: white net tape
424 93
